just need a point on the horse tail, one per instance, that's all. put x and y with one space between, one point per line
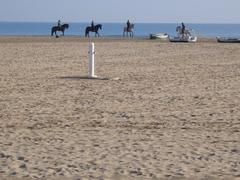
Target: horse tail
52 32
86 32
124 30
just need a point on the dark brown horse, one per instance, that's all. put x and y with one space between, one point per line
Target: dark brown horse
61 28
93 29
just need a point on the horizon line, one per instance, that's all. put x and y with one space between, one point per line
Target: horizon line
121 22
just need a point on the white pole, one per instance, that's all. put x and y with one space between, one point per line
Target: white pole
91 60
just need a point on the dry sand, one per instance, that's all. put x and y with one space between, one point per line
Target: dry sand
167 111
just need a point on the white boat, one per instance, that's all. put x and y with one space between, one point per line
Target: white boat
228 39
180 39
163 36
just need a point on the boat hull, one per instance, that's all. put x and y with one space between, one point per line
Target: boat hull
180 40
228 40
161 36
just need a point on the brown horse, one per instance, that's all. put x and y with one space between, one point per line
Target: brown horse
61 28
94 29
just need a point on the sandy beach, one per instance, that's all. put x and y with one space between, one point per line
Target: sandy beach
160 110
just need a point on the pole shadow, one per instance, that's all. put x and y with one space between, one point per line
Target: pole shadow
83 78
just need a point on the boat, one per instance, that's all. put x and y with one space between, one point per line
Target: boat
228 40
162 36
192 39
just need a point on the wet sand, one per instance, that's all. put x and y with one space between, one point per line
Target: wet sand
161 110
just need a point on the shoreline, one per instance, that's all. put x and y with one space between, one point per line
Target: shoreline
69 38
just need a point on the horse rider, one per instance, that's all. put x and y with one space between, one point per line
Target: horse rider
92 24
59 23
183 28
128 25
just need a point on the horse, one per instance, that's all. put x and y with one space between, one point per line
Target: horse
128 30
61 28
93 29
182 34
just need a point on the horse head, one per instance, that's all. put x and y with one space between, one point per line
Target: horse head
65 26
100 26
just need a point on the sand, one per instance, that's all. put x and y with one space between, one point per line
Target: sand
160 110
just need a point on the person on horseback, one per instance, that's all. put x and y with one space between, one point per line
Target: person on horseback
92 25
128 25
183 28
59 23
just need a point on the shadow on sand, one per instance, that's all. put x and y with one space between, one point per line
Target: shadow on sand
83 77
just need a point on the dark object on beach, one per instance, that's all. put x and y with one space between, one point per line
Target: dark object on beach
178 40
191 39
228 40
94 29
57 36
61 28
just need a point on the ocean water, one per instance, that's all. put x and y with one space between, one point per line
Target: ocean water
116 29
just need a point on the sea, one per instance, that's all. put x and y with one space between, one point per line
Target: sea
116 29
